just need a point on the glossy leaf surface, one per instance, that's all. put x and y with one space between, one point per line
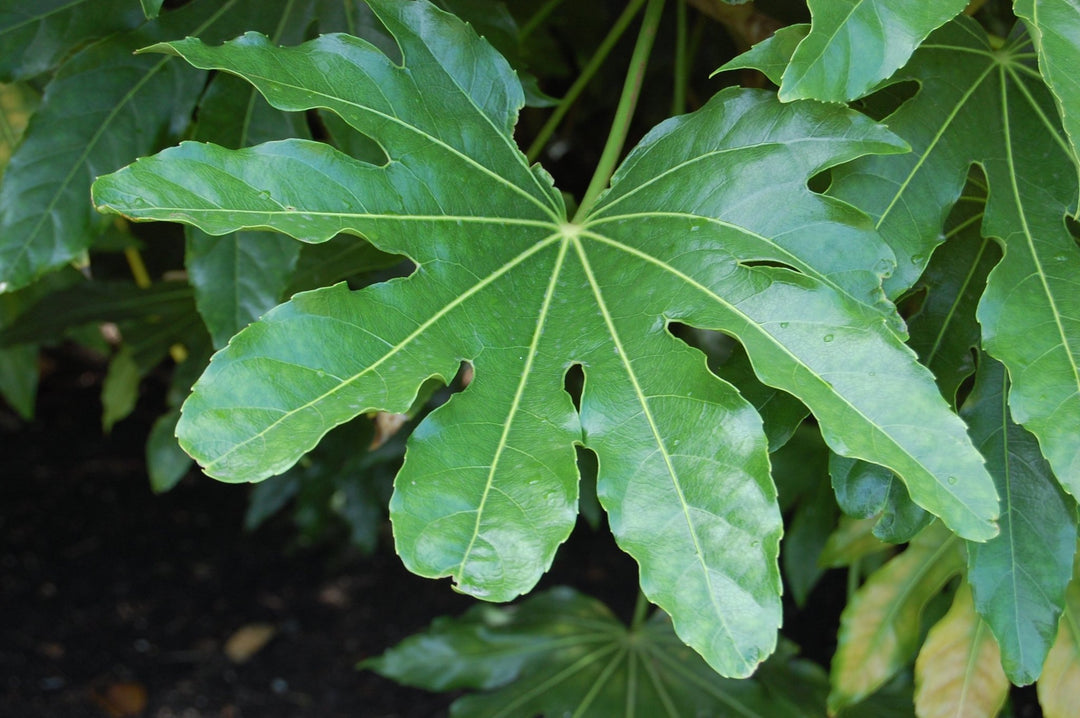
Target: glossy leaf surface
854 44
958 672
560 653
504 281
1019 577
880 626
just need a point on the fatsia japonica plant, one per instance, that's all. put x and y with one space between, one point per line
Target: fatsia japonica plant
860 288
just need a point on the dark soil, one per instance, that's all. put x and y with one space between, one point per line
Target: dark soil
108 592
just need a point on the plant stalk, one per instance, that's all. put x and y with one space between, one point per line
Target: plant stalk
641 611
620 126
587 74
538 17
678 99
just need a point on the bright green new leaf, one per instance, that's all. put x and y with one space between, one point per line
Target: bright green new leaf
880 626
1055 28
958 672
984 105
855 44
506 282
102 108
35 36
120 390
1019 577
560 653
1059 684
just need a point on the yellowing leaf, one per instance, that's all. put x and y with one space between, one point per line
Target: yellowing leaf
1059 685
880 627
958 672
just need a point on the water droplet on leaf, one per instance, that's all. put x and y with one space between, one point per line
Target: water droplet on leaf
828 338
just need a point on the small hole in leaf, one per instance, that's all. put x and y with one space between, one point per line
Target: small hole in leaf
820 182
574 383
912 303
716 346
1073 226
887 100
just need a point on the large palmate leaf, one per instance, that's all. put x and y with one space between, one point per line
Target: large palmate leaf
854 44
986 105
880 627
505 281
102 108
1019 577
560 653
958 672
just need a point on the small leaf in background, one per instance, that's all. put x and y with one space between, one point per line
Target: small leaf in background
850 542
958 672
1019 577
248 640
880 627
17 104
863 490
770 56
1059 684
166 462
854 44
120 390
36 36
561 653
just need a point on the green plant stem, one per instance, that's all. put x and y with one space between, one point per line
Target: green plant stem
587 74
620 126
678 99
853 578
538 17
641 611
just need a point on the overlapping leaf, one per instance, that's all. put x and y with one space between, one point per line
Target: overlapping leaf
503 280
560 653
1019 577
35 36
978 104
102 108
958 672
854 44
1055 28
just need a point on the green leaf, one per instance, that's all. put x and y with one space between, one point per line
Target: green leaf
506 283
36 36
944 330
1059 685
1019 577
560 653
166 462
100 301
880 626
772 55
120 390
98 95
151 8
986 105
864 490
1054 25
17 103
852 540
958 672
854 44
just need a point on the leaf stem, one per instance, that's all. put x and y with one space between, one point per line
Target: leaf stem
641 611
538 17
137 267
620 126
678 99
587 74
